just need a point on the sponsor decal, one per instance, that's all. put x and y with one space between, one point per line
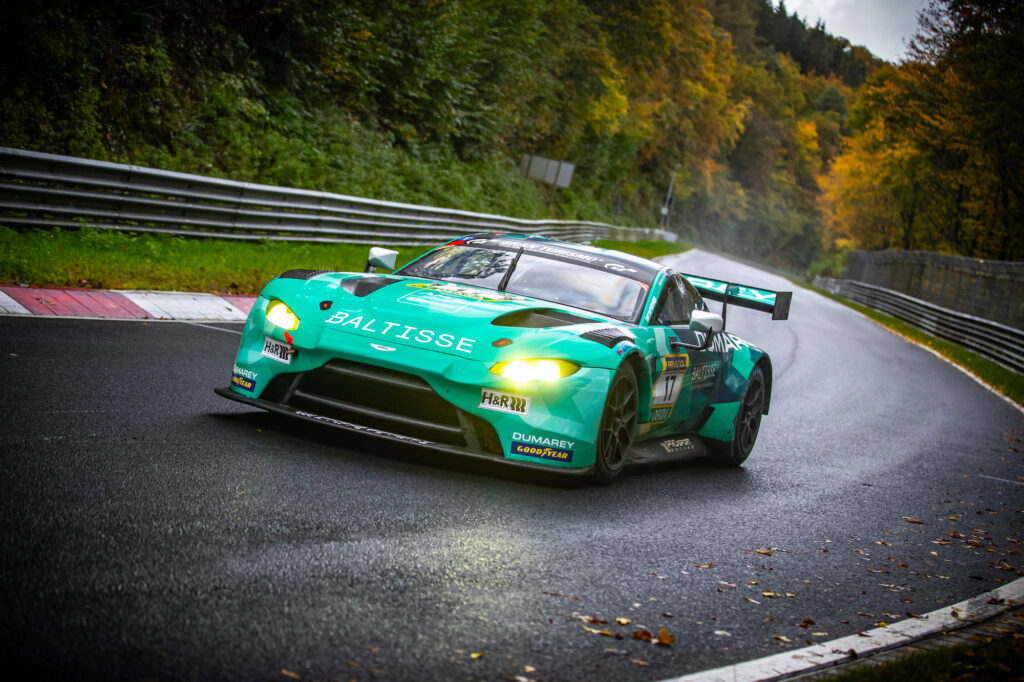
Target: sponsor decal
377 346
504 402
616 267
660 414
243 382
435 301
533 247
275 350
542 446
459 291
679 445
245 373
676 363
703 373
737 290
723 342
405 332
670 381
543 440
623 346
360 427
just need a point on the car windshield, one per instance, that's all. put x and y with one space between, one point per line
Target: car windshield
580 286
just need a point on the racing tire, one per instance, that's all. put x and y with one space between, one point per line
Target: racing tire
618 425
748 422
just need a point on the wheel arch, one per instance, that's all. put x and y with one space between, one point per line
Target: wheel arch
765 363
642 371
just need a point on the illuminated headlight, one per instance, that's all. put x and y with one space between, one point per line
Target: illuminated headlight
281 315
521 371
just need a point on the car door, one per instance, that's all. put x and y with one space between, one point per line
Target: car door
683 377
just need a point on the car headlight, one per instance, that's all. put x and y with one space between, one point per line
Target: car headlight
521 371
281 315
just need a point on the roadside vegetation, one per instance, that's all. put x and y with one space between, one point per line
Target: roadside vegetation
1001 660
739 101
108 259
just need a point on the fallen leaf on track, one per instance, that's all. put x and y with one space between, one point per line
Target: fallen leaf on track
589 619
599 632
623 621
707 565
643 635
911 519
664 638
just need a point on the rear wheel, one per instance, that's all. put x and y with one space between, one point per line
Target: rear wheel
618 425
748 423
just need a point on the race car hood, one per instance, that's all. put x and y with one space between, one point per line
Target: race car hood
464 321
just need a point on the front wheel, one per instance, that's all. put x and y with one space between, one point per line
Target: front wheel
618 425
748 423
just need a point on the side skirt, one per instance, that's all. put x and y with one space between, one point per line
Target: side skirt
675 448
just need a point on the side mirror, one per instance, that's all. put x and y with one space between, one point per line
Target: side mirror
704 321
697 335
380 258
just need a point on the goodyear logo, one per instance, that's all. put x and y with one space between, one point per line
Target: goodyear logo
542 451
242 382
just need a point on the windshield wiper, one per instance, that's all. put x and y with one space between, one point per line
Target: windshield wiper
508 273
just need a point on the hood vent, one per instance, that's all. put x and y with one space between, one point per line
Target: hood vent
608 336
302 274
361 286
539 318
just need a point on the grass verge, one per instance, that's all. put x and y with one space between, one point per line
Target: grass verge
1006 381
108 259
997 660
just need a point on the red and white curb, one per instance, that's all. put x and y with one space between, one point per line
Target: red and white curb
125 305
845 649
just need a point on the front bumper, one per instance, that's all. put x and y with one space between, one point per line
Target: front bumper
413 394
445 448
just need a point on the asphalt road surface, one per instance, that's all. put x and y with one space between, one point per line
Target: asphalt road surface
151 529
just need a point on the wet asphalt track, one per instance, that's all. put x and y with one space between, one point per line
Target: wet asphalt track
151 529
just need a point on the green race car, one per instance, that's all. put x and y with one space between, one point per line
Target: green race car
515 348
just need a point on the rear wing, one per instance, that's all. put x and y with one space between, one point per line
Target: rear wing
774 302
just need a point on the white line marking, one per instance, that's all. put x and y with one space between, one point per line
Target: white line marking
828 654
1004 480
8 306
207 326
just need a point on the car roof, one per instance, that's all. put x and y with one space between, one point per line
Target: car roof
590 254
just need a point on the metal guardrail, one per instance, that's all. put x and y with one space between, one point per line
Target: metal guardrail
44 190
997 342
993 290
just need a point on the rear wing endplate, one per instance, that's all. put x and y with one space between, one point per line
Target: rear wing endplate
765 300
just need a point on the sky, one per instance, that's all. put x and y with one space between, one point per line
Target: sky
882 26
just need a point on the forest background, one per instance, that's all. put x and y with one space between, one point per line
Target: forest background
788 144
